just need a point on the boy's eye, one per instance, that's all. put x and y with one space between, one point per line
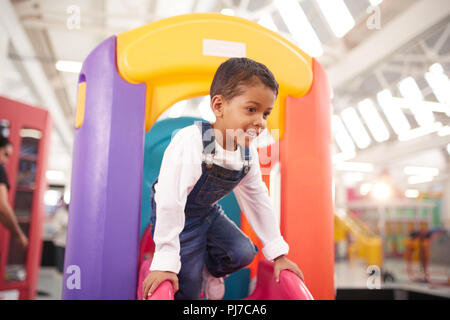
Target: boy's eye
251 109
266 115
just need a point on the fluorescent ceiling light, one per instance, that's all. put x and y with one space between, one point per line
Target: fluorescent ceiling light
228 12
337 15
370 115
439 83
412 193
419 179
177 109
354 166
301 30
205 109
410 90
420 171
436 68
68 66
267 22
425 105
420 131
393 113
343 139
356 128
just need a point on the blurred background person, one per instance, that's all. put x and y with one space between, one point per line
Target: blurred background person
7 217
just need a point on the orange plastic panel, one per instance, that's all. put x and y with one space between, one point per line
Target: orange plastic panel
307 220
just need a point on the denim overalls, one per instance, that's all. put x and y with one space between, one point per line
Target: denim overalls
209 237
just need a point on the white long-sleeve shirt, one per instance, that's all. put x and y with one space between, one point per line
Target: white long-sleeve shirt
180 171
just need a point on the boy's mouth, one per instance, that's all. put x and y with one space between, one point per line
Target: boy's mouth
251 133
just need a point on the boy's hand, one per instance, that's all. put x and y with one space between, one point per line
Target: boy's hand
155 278
282 263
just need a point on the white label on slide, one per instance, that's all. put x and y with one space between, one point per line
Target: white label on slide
221 48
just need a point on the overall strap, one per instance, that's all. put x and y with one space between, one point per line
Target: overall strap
209 150
246 157
208 141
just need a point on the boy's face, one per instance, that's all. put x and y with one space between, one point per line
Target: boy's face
244 117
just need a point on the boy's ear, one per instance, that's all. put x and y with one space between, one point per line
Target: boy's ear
217 105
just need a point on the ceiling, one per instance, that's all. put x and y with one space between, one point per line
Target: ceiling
388 43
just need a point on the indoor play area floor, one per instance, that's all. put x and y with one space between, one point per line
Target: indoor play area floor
355 275
348 275
50 284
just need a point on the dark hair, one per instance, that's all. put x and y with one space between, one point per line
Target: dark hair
236 72
4 141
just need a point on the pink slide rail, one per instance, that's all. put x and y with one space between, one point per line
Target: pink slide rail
290 287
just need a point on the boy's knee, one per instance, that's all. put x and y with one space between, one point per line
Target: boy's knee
245 254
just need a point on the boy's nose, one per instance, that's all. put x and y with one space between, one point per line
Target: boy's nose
260 122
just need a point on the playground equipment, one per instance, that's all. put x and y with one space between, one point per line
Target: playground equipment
394 220
29 132
132 78
405 227
290 287
367 245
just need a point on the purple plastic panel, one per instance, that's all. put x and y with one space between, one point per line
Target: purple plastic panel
103 232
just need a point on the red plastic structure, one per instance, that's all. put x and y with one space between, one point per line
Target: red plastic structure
29 133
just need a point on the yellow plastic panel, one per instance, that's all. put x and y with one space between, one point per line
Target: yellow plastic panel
170 56
81 97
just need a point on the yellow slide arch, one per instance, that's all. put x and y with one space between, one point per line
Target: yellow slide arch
183 64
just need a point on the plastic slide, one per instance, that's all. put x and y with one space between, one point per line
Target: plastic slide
164 290
290 287
368 244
